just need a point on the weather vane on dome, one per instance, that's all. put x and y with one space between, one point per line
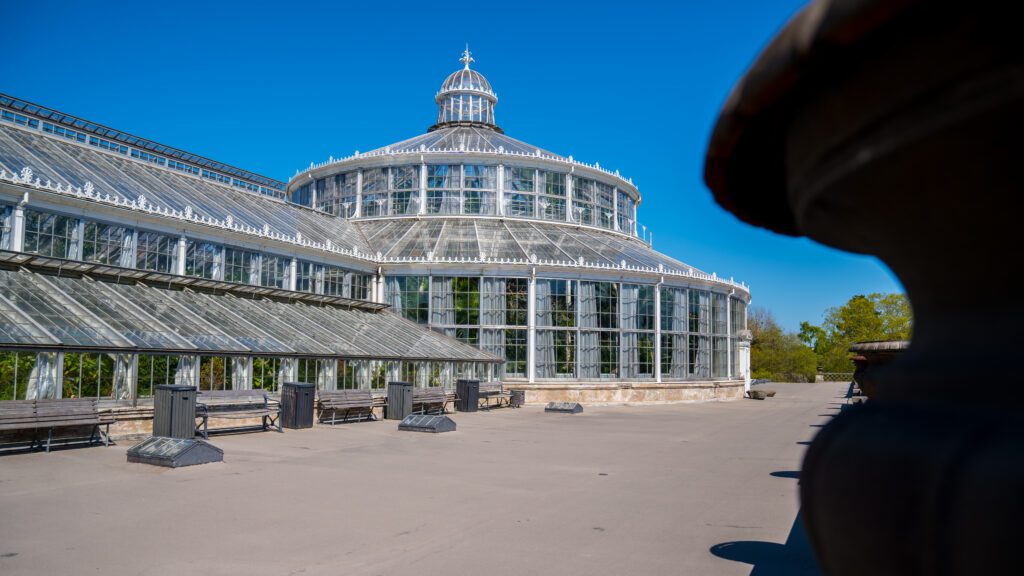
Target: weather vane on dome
466 57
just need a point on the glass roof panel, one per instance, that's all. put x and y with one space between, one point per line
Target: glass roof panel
464 138
159 303
17 328
240 327
121 315
126 178
57 313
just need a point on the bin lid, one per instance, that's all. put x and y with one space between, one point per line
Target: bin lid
175 387
397 383
300 384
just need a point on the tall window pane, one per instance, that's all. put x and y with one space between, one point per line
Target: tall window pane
157 252
275 271
106 244
49 234
240 266
202 259
409 296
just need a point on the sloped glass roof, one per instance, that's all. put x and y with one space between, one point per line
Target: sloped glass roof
74 165
496 239
42 311
464 139
57 313
119 136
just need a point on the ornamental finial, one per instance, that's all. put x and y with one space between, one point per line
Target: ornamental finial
467 57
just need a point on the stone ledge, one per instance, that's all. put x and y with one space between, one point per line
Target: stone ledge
631 392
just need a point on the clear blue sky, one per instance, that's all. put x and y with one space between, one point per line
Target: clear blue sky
272 86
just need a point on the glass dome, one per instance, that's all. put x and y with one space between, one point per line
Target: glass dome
466 98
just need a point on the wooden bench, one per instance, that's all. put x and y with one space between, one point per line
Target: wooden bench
236 404
493 391
333 404
427 400
38 415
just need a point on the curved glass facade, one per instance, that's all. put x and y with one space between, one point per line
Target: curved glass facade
471 189
583 329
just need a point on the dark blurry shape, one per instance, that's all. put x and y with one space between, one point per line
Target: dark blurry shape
893 128
870 357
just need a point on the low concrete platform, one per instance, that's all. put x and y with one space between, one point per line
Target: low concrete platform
670 489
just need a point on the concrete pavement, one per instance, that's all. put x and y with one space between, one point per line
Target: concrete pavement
615 490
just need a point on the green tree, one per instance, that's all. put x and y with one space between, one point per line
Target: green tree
861 319
776 355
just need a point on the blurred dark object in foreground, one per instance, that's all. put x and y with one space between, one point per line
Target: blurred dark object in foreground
870 358
893 128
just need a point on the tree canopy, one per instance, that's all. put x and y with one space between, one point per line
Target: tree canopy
861 319
775 354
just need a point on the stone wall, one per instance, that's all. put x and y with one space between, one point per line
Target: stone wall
631 392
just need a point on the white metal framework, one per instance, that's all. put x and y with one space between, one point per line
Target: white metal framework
505 251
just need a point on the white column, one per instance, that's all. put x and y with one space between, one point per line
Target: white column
728 335
378 286
133 257
501 190
18 227
59 391
222 259
78 249
359 193
743 349
657 330
181 256
568 197
312 193
423 187
615 209
531 323
293 274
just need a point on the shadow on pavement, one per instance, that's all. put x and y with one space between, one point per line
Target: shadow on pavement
795 474
794 558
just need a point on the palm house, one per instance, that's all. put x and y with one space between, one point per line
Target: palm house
534 257
461 252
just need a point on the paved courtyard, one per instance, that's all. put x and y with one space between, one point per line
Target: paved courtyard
673 489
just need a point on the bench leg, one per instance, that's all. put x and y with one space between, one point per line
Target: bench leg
49 436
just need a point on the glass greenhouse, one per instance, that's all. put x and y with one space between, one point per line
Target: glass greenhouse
125 263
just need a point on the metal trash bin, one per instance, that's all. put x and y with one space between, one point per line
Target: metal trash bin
297 400
517 399
467 395
174 411
399 400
